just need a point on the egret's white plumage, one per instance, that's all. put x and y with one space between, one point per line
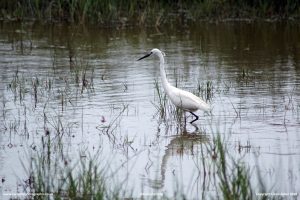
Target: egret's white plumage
180 98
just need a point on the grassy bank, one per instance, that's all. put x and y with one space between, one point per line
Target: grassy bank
145 12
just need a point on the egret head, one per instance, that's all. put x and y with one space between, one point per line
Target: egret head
155 51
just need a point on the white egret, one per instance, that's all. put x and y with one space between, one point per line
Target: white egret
180 98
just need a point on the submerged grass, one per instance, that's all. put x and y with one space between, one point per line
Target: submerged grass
144 12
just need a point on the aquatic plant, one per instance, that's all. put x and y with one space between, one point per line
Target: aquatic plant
233 175
161 106
166 110
245 76
54 174
111 12
205 90
18 86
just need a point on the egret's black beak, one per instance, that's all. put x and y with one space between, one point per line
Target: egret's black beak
145 56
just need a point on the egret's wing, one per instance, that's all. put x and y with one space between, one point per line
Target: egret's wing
195 100
187 100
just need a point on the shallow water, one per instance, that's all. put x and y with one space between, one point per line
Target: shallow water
252 69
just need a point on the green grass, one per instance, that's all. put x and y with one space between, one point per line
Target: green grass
162 102
82 177
166 110
54 173
154 13
234 176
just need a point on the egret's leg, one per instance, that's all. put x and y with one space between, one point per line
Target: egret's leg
195 116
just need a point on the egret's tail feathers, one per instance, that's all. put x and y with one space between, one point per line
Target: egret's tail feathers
205 107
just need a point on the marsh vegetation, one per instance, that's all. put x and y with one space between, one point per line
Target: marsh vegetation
80 118
150 13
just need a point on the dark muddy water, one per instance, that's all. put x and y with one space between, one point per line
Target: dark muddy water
84 86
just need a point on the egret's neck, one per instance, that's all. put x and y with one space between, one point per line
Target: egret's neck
165 82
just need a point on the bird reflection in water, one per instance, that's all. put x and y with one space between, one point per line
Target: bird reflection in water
186 143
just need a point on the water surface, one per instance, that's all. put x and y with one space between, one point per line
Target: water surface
84 85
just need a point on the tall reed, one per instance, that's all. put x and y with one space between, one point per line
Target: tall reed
112 12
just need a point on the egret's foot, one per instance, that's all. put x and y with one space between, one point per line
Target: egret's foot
195 116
